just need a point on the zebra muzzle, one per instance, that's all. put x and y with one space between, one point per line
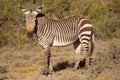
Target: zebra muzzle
30 29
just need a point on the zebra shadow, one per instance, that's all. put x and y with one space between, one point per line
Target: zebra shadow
63 65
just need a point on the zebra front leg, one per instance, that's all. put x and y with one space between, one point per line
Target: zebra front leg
46 70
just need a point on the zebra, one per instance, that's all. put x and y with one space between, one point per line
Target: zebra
74 30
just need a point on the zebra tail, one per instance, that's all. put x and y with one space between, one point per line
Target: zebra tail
92 43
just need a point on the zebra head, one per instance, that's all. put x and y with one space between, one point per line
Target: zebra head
30 17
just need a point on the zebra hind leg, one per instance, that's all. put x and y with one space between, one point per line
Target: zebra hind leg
87 59
87 56
78 50
83 58
78 62
89 53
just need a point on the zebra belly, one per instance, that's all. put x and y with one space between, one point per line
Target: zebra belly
56 43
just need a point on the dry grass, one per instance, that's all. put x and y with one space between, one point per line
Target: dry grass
26 63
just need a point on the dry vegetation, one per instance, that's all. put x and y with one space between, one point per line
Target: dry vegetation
25 63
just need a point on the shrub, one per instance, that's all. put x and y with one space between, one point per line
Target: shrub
104 15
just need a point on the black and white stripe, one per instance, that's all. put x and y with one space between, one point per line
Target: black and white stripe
64 32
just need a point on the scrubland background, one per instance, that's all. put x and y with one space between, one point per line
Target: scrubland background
21 58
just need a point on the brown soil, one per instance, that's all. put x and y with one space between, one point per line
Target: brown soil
25 63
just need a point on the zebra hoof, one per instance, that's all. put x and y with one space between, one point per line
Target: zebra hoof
51 72
45 72
75 67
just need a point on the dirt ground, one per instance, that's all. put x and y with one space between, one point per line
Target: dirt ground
25 63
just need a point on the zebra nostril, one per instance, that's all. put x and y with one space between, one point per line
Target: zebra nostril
30 35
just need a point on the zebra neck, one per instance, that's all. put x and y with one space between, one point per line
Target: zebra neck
41 22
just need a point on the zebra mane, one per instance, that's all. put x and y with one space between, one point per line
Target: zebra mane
40 15
36 22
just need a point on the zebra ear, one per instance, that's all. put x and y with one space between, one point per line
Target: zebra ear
39 9
22 9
